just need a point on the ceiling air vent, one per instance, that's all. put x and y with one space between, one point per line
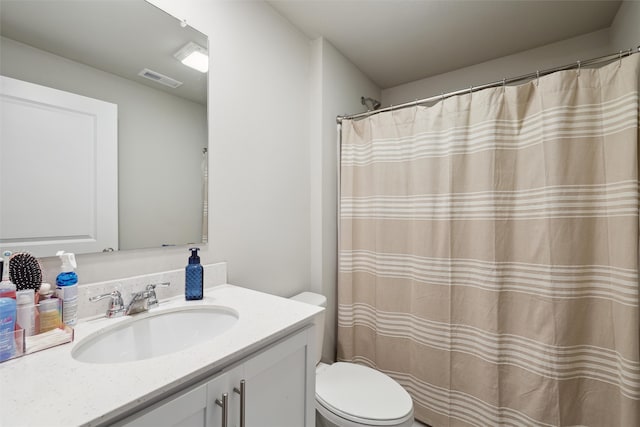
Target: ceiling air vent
159 78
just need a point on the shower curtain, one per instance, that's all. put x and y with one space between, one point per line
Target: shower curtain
488 251
205 195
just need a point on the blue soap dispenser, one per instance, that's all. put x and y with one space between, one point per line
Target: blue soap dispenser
193 277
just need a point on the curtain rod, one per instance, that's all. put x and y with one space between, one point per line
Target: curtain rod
537 74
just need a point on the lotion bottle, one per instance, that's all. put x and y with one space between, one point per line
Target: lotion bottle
193 277
26 311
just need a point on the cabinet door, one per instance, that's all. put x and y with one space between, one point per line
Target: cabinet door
195 407
217 388
186 410
280 384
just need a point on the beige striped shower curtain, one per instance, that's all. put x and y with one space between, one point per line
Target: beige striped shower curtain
488 255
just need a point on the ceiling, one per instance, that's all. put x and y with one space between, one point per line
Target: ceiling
392 41
399 41
119 37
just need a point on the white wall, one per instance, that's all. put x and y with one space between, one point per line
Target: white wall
623 34
160 141
337 86
577 48
625 30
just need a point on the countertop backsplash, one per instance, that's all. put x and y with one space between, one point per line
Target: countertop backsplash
214 275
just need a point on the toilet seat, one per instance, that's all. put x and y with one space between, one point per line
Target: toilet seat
362 395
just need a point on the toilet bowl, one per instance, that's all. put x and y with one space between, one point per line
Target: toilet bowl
352 395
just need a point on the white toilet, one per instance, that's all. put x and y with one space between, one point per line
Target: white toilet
351 395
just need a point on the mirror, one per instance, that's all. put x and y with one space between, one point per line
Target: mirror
100 49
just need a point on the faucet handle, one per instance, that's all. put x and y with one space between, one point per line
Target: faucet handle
152 299
153 286
116 305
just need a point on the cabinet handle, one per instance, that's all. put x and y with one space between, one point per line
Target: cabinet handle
224 404
243 395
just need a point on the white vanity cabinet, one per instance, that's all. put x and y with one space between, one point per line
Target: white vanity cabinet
279 391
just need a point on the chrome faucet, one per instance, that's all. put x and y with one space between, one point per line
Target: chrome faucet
140 301
144 300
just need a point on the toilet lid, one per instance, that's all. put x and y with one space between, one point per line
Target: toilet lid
362 394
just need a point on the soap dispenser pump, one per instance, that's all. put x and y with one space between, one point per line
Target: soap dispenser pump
193 277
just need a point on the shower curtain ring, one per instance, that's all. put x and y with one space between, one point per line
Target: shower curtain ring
619 58
579 64
537 78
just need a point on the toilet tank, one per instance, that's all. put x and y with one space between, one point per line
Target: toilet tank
318 321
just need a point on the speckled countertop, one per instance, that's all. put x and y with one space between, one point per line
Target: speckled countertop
50 388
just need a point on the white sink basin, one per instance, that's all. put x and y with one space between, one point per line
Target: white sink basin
154 334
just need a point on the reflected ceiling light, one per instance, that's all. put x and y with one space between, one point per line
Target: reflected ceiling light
194 56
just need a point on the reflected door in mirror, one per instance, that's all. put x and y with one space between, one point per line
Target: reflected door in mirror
58 170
